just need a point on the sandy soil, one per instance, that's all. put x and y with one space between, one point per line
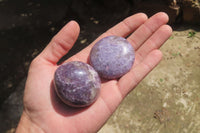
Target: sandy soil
167 100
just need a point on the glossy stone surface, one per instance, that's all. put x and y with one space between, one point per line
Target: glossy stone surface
112 57
77 84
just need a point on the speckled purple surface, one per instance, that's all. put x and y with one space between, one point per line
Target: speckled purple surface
77 84
112 57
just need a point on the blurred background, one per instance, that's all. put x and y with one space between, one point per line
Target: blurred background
167 100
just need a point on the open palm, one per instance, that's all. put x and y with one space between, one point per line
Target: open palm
42 106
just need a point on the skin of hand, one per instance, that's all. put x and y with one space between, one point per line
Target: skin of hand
45 113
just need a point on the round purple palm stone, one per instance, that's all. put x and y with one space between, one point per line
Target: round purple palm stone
77 84
112 57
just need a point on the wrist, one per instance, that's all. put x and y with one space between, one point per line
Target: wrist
26 125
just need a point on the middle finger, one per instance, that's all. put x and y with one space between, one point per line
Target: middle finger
147 29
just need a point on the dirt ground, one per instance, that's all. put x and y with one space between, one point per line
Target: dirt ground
168 99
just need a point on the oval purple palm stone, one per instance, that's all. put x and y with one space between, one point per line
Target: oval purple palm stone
77 84
112 57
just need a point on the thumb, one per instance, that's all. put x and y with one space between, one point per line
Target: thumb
61 43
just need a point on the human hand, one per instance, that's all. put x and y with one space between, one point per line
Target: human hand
45 112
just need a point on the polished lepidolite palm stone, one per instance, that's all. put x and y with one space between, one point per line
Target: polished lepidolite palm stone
112 57
77 84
